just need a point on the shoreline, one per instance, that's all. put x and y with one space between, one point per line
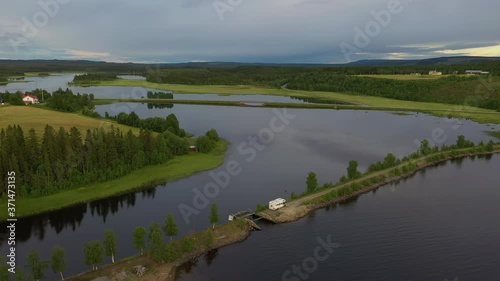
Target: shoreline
169 271
299 208
227 234
479 115
476 116
135 181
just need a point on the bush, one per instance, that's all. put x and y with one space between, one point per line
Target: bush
490 147
16 99
213 135
343 179
187 244
204 144
261 208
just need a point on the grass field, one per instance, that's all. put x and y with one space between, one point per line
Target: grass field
479 115
253 90
405 77
494 134
29 117
36 74
179 167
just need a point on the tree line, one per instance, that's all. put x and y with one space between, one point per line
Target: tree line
94 77
446 65
453 89
60 159
155 124
65 100
151 240
61 100
390 161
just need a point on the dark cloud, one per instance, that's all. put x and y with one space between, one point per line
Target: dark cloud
250 31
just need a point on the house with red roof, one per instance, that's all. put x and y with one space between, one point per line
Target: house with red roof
30 99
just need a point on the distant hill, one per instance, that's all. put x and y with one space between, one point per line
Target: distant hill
18 67
432 61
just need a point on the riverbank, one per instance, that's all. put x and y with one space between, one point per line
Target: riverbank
479 115
223 235
483 116
255 90
177 168
299 208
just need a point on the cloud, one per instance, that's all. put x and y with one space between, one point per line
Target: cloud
489 51
295 31
77 54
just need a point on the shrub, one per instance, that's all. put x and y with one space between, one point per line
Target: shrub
490 147
212 135
261 208
204 144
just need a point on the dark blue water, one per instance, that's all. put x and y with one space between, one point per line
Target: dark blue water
442 224
57 80
322 141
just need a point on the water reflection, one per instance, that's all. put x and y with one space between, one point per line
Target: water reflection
71 217
437 224
160 105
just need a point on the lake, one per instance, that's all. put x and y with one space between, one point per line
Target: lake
55 81
437 225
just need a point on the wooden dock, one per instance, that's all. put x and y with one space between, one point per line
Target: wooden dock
249 216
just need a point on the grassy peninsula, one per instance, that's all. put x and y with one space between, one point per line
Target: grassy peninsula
356 101
29 117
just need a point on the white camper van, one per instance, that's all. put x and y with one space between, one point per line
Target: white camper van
277 204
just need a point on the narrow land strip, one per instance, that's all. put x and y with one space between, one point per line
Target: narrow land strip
300 207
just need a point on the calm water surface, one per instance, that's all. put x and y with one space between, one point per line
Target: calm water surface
439 225
322 141
55 81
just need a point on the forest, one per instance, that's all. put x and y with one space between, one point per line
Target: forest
65 100
468 90
474 91
93 78
155 124
60 159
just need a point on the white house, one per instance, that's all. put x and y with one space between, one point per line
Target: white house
435 72
277 204
30 99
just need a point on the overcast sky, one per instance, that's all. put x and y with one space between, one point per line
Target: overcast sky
293 31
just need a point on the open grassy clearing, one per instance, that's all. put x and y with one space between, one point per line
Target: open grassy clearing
405 77
29 117
479 115
253 90
179 167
